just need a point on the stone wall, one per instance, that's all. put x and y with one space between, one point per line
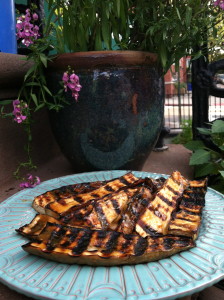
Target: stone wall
12 70
12 135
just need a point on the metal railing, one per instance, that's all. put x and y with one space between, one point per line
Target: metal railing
178 108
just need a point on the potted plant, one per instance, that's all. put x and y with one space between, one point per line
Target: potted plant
134 37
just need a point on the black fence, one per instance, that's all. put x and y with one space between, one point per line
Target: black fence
178 109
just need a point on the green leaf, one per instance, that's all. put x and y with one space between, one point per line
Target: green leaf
222 173
218 139
188 15
197 55
194 145
81 38
218 126
28 73
5 102
178 13
43 59
106 34
199 157
32 84
50 2
206 169
163 54
39 107
47 90
34 97
214 32
204 131
219 186
98 41
118 7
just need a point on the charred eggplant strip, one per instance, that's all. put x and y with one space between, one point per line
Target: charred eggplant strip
36 226
102 214
91 247
50 204
64 192
156 217
187 220
138 204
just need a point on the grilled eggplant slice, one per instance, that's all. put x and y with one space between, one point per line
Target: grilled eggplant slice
102 214
127 220
155 219
64 192
115 210
36 226
138 204
57 205
187 220
99 247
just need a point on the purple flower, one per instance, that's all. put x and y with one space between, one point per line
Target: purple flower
31 182
19 118
16 103
65 77
18 109
26 29
27 42
219 3
72 82
27 26
36 31
19 26
35 17
74 78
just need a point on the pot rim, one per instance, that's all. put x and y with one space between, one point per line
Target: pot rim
94 59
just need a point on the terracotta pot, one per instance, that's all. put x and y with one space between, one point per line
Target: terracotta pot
118 117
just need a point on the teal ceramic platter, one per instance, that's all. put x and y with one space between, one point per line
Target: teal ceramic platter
180 275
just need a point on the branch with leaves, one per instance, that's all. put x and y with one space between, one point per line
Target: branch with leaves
208 155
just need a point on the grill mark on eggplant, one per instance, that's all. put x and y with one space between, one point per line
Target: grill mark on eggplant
95 195
192 201
157 213
169 187
188 212
168 243
140 246
83 242
160 215
116 206
148 229
74 189
124 181
101 234
128 238
55 237
182 242
109 188
101 215
112 242
166 200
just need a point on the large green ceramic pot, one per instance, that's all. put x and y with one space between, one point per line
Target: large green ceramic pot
119 114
